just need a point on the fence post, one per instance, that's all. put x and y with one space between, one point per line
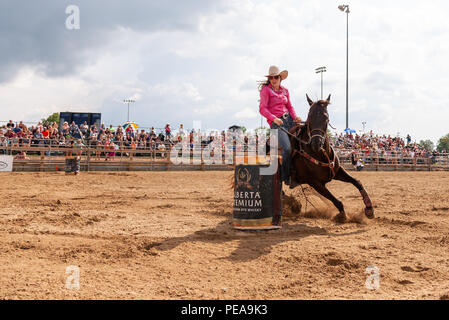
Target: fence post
201 158
168 158
41 164
121 148
88 156
153 157
49 153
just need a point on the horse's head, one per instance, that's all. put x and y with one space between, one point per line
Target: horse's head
317 121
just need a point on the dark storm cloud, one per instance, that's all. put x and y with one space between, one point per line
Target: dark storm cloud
34 32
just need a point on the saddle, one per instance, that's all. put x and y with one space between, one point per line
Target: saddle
296 130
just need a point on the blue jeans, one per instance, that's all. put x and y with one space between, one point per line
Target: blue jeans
284 143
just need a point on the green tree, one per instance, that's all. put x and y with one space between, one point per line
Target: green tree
53 118
427 144
443 143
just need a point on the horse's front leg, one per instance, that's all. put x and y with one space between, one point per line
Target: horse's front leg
344 176
321 189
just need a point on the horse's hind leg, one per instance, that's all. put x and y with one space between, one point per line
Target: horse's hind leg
321 189
344 176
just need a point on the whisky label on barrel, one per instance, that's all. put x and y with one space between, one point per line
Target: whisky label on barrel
253 193
251 200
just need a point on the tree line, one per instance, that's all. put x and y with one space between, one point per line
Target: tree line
442 146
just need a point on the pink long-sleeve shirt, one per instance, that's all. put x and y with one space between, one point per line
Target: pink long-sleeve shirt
275 104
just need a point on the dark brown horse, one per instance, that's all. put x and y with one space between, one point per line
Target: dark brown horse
314 161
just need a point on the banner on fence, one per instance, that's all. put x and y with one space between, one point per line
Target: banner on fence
6 163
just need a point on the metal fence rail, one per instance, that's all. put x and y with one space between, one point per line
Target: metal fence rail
52 156
395 160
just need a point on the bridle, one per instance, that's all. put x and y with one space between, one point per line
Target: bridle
321 134
310 134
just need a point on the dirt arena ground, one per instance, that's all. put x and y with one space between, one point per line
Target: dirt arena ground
168 235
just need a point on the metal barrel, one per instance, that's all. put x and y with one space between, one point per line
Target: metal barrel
69 163
72 165
257 199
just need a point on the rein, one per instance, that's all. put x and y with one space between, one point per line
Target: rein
322 134
296 137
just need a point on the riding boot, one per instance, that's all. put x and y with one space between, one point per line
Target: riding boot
292 179
292 172
293 183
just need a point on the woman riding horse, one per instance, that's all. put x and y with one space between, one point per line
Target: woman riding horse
275 105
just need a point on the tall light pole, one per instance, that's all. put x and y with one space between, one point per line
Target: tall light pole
345 8
128 101
364 123
321 70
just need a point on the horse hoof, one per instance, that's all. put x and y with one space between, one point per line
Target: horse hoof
369 212
340 218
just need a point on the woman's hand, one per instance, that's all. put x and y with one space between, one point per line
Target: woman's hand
297 120
278 121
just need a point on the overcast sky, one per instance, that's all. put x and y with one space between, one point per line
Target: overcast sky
186 61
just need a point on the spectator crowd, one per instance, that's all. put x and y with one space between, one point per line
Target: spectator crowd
380 145
127 137
110 138
72 135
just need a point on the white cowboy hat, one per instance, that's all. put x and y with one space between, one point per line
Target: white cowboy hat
274 71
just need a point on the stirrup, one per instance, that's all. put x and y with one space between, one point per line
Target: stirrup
292 183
